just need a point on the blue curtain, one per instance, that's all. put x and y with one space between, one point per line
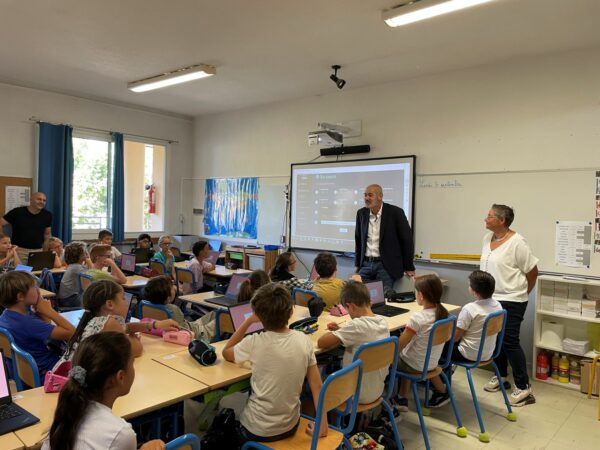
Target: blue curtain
118 198
231 207
55 175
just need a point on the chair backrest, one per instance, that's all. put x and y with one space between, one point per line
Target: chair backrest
494 324
224 324
158 267
441 332
303 296
6 343
176 252
381 354
26 368
157 312
340 388
186 442
183 275
84 281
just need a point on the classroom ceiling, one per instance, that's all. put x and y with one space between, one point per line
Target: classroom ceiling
264 50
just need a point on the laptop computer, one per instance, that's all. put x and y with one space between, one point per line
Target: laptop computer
128 263
241 312
142 255
378 305
23 268
74 317
215 245
213 257
12 416
313 274
230 297
40 260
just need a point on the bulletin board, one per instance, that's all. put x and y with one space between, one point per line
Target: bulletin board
11 181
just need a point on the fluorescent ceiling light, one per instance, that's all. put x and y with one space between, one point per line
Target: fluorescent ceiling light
174 77
425 9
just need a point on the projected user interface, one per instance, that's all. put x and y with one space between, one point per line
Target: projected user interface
325 201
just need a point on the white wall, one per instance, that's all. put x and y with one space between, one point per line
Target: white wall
17 134
538 112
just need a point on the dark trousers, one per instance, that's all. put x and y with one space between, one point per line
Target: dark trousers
374 271
245 435
511 352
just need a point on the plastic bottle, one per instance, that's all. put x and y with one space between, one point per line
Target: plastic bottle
555 359
563 369
575 371
542 369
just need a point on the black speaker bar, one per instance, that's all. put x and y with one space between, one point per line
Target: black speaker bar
335 151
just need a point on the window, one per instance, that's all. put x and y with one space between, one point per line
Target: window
93 157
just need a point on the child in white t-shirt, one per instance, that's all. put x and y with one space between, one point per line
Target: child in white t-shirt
415 337
281 358
363 328
468 330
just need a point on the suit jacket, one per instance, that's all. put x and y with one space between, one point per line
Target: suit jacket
396 246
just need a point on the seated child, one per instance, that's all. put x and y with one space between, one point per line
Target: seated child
101 257
257 279
327 286
281 358
165 255
102 372
106 310
78 262
105 237
144 240
199 266
54 244
281 272
364 327
8 253
468 329
161 291
415 337
18 292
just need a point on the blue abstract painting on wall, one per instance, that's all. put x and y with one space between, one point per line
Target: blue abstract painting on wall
231 207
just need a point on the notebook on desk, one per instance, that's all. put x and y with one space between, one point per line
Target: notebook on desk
41 260
231 296
378 305
12 416
241 312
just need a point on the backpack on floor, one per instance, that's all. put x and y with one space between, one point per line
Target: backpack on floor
223 433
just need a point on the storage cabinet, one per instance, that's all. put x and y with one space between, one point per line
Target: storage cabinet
251 258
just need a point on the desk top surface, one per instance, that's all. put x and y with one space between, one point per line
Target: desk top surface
53 270
144 396
10 441
135 281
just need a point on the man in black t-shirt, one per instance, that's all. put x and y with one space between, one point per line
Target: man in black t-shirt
31 225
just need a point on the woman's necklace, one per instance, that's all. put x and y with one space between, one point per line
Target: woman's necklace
500 239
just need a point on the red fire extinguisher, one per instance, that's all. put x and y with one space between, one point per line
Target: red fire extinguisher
542 366
151 199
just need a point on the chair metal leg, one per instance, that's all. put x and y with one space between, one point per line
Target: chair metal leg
461 431
426 410
512 416
393 424
483 435
413 386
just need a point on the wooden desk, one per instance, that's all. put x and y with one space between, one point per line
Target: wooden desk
148 393
223 272
53 270
47 294
200 299
10 441
135 282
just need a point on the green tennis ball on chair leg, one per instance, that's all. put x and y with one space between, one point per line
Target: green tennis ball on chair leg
512 416
461 432
484 437
426 411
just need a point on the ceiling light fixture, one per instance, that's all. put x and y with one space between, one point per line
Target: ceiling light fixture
174 77
338 81
417 10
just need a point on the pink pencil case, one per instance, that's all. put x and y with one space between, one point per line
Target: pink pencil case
180 337
338 310
155 331
54 381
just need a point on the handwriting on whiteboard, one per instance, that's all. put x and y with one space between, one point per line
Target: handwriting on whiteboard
439 184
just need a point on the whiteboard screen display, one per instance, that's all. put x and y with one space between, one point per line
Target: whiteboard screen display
326 196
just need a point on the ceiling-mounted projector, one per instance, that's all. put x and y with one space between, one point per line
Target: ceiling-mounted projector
325 138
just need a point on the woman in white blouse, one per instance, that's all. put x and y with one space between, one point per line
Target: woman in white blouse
508 258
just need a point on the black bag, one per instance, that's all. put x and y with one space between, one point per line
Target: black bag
223 433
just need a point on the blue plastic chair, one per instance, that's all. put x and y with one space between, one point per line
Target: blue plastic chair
494 324
154 311
158 267
224 323
84 281
442 331
379 355
6 343
302 296
185 276
341 387
186 442
26 368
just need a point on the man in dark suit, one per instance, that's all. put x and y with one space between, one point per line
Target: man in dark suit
384 241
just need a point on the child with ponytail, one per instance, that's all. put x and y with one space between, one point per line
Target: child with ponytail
106 310
102 372
415 337
257 279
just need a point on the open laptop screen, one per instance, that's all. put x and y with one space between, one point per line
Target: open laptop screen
235 284
215 245
376 292
241 312
128 262
313 274
213 257
4 391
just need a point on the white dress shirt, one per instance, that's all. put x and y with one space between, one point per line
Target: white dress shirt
373 234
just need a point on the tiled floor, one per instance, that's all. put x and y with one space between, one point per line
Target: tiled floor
560 419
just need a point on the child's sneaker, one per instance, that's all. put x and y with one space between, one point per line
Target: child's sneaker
494 386
521 397
399 404
439 399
